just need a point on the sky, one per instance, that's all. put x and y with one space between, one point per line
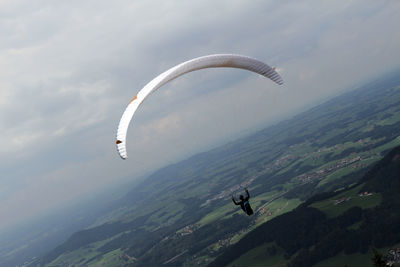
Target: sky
68 69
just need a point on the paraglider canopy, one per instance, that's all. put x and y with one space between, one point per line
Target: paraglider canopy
211 61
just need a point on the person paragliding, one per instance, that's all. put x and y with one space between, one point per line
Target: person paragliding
244 203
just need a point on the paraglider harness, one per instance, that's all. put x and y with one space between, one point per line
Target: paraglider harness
247 208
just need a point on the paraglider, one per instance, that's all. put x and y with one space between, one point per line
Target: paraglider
211 61
244 203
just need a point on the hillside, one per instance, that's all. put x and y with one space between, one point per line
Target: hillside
183 215
348 221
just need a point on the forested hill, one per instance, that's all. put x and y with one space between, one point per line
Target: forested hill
314 231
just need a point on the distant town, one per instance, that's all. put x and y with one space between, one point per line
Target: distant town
344 199
355 161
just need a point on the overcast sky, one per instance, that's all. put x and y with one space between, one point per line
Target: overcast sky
69 68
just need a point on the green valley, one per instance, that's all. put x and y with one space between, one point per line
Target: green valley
332 228
182 215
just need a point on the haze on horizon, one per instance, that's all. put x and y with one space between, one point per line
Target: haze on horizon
69 68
